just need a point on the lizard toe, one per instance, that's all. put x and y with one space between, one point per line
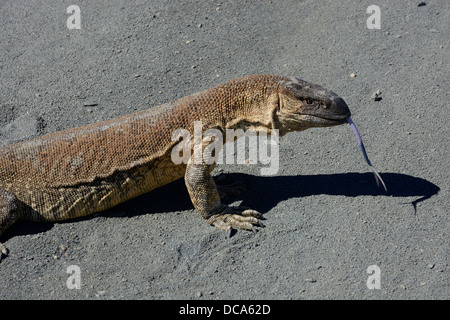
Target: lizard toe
248 212
237 218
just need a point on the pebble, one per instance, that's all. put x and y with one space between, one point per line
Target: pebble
63 247
376 96
198 294
312 280
430 266
352 75
100 293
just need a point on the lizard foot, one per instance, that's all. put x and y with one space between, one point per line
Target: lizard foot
237 217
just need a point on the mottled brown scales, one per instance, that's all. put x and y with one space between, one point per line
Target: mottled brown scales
80 171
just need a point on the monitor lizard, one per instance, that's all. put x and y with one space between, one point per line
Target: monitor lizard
89 169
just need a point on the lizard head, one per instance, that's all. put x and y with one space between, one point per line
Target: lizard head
302 105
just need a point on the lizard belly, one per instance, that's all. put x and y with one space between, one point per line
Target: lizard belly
66 202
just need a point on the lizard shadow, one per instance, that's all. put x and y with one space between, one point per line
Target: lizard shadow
262 194
267 192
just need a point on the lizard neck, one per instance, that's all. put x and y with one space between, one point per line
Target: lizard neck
251 102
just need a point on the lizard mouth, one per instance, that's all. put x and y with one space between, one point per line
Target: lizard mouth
329 120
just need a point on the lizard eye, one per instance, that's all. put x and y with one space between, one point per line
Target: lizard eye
309 101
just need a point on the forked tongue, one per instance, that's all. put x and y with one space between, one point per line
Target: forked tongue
358 137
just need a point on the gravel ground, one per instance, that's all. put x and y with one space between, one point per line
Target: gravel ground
327 222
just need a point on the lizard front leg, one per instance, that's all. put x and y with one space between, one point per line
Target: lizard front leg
206 200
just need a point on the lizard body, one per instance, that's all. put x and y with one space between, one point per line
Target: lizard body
84 170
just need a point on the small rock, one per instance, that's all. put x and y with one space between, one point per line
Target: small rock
137 75
198 294
63 247
199 25
376 96
80 95
312 280
430 266
402 286
352 75
422 4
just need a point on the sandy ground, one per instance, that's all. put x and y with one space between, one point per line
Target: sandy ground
327 222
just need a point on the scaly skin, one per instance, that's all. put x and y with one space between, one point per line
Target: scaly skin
84 170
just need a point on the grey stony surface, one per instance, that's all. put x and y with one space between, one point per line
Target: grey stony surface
326 220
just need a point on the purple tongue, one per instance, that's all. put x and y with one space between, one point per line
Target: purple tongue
358 137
